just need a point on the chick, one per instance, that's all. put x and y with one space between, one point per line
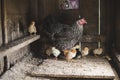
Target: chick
70 55
49 51
77 47
32 28
55 52
85 52
97 51
65 52
108 58
78 54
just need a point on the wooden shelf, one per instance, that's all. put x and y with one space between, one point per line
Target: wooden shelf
16 45
88 68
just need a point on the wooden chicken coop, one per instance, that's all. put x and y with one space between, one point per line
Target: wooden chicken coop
23 54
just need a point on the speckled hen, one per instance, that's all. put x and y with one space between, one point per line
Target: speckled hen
64 36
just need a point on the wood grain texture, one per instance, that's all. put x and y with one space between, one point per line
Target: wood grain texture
16 19
0 24
117 29
16 45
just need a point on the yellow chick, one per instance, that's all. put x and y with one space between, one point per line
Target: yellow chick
65 52
32 28
85 51
71 54
77 47
55 52
97 51
108 58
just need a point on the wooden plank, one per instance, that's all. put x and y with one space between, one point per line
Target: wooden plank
4 22
1 65
117 27
90 38
0 24
16 45
90 67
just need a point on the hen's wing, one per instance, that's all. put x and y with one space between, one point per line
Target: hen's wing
68 37
66 31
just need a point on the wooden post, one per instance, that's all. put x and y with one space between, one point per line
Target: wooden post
0 25
4 22
99 22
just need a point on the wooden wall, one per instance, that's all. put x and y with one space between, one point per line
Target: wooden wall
46 7
0 26
87 9
117 24
110 24
16 16
16 19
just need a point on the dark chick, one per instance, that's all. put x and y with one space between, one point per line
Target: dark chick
78 55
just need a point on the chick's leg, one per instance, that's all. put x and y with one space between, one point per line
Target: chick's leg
72 60
56 58
95 55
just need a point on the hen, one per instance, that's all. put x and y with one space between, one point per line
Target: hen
64 36
49 51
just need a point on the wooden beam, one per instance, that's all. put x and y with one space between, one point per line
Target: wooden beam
4 22
16 45
91 38
0 24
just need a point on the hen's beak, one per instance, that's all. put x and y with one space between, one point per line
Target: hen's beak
85 22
